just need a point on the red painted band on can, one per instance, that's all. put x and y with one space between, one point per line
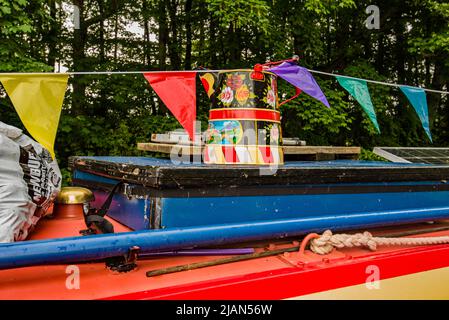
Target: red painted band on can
245 114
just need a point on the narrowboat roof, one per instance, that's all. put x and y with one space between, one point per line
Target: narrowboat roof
163 173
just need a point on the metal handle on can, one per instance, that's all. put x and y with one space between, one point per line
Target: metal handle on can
298 92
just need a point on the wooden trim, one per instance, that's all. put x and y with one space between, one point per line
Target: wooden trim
167 148
293 150
320 149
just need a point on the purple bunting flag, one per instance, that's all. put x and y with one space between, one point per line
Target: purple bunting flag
301 78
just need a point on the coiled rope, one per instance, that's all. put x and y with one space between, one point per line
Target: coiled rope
325 243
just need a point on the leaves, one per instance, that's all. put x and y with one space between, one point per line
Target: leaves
241 13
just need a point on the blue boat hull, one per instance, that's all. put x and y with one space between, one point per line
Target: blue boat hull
175 218
334 204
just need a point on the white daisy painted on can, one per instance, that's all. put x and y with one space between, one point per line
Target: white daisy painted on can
227 95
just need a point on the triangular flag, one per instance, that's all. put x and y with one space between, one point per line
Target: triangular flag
359 90
301 78
417 98
38 101
178 92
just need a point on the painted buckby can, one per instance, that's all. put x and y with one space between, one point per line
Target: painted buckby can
244 119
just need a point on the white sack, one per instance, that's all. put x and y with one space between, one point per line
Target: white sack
29 183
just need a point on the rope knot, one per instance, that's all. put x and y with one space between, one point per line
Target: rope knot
328 241
325 243
322 245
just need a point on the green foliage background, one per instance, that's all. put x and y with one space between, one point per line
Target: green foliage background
108 115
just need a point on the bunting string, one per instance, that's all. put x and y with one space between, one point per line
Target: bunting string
208 70
377 82
40 115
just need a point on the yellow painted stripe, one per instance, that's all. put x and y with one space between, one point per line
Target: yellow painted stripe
219 156
431 285
253 152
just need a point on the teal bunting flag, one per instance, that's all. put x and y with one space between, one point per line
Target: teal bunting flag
417 98
359 91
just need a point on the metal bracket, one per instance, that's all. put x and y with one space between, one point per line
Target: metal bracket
303 258
124 263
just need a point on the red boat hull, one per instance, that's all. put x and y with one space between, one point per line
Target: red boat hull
389 273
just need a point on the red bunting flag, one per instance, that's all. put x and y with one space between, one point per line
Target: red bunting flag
177 90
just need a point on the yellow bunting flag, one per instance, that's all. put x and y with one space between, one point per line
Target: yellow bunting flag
38 101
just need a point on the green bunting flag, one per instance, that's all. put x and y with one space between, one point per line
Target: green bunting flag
417 98
359 90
